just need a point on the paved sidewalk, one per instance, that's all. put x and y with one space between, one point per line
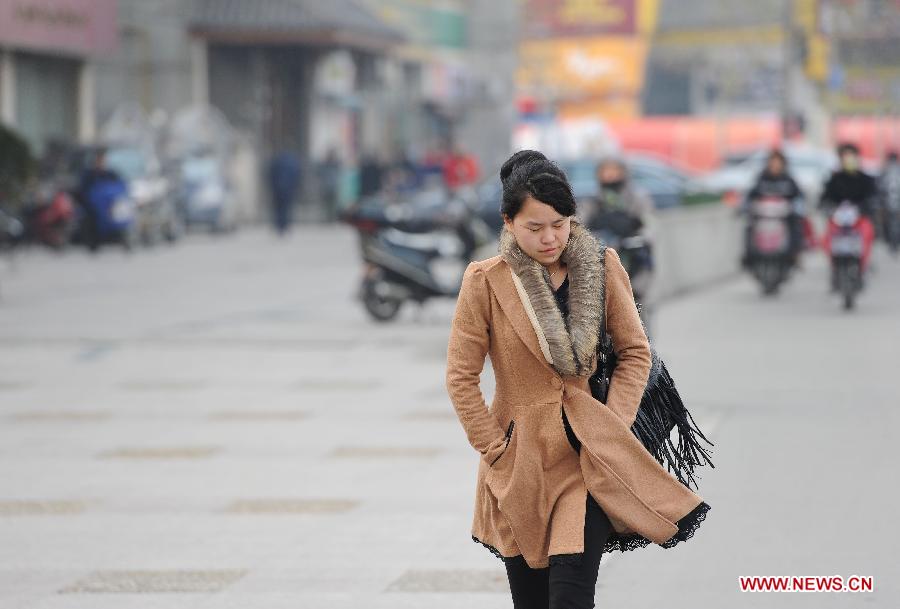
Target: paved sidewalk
218 425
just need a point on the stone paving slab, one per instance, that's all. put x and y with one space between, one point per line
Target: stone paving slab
231 423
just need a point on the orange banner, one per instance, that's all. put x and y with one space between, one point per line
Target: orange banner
573 68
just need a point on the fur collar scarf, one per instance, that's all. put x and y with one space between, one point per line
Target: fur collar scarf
568 344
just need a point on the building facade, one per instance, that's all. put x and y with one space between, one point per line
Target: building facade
48 50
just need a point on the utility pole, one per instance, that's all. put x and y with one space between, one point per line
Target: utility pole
787 60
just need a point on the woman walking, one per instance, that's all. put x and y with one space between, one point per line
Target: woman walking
561 477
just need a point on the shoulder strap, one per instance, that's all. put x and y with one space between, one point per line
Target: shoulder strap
603 336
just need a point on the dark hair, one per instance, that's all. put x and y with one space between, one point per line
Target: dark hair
612 160
848 147
776 153
892 155
530 173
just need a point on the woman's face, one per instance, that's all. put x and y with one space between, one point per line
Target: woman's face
541 231
776 166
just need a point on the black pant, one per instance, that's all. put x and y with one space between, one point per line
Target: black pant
563 586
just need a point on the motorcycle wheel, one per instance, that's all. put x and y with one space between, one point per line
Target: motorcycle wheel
770 276
381 308
848 283
849 300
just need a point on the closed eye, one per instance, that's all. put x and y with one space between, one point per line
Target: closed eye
534 230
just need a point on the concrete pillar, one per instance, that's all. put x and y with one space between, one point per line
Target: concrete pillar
7 88
87 102
199 72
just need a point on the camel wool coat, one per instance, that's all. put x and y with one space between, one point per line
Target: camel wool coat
531 486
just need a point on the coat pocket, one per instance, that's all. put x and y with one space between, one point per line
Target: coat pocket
509 433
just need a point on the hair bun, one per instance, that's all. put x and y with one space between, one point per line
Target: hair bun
519 158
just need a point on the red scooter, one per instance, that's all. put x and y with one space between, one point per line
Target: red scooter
50 219
847 242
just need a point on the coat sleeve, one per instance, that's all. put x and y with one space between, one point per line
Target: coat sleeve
470 336
629 341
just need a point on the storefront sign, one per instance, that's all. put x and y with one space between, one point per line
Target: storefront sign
550 18
70 26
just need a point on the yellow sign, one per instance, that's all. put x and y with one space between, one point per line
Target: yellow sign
582 67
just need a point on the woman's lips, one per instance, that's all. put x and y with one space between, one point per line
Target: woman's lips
552 249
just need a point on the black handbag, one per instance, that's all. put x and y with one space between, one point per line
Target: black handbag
660 412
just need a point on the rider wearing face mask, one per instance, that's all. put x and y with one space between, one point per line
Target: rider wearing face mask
622 210
618 193
850 183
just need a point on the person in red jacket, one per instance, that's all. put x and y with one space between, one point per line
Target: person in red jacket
460 168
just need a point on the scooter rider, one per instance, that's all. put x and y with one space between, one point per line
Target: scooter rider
776 181
624 209
850 183
89 178
618 193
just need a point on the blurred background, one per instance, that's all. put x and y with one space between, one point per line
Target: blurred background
232 234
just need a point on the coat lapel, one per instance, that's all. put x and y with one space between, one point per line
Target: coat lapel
504 288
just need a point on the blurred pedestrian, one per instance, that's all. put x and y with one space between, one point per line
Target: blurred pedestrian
94 174
889 200
404 175
371 175
284 182
431 164
329 181
460 168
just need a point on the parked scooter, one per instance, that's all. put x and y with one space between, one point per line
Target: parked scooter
770 258
202 193
415 250
12 231
846 253
49 216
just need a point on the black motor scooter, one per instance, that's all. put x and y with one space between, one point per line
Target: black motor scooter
624 233
414 249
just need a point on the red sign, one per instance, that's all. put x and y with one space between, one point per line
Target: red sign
552 18
74 26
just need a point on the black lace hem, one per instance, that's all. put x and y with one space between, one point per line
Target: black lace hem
687 526
554 559
493 550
